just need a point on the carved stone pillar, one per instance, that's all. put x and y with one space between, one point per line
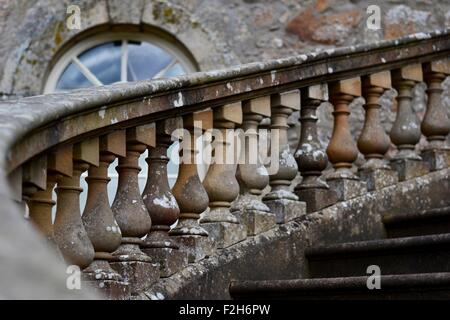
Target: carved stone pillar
220 182
59 163
283 168
190 193
436 124
405 132
311 158
132 216
69 232
342 150
251 174
161 203
373 142
98 219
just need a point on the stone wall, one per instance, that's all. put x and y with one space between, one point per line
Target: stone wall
219 33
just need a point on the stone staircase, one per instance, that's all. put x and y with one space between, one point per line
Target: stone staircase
414 261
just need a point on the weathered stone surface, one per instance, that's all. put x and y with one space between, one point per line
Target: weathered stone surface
316 24
316 199
378 178
436 159
139 275
286 210
225 234
401 20
347 189
109 289
170 260
408 169
258 221
196 247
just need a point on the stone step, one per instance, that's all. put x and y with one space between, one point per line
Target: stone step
409 286
434 221
424 254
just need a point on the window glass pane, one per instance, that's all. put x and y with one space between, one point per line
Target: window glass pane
145 60
175 70
104 61
72 78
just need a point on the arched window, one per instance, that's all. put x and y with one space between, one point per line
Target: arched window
110 58
117 57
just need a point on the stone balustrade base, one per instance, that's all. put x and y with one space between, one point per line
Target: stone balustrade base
316 198
286 210
225 234
258 221
378 178
109 289
409 168
196 247
346 188
437 159
139 275
170 260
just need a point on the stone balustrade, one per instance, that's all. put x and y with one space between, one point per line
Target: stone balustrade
125 248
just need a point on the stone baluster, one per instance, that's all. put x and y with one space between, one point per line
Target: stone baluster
251 174
405 132
283 168
34 177
59 163
190 193
131 214
70 235
373 142
220 182
310 156
15 185
342 150
99 222
436 124
161 203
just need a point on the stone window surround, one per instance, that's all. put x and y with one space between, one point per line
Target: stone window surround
103 37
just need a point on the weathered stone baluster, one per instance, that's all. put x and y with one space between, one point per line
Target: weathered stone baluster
373 142
161 203
15 187
190 193
310 156
59 163
251 174
280 199
342 150
436 124
70 235
405 132
34 176
131 214
220 182
98 219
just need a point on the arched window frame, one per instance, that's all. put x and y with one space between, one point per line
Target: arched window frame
73 52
